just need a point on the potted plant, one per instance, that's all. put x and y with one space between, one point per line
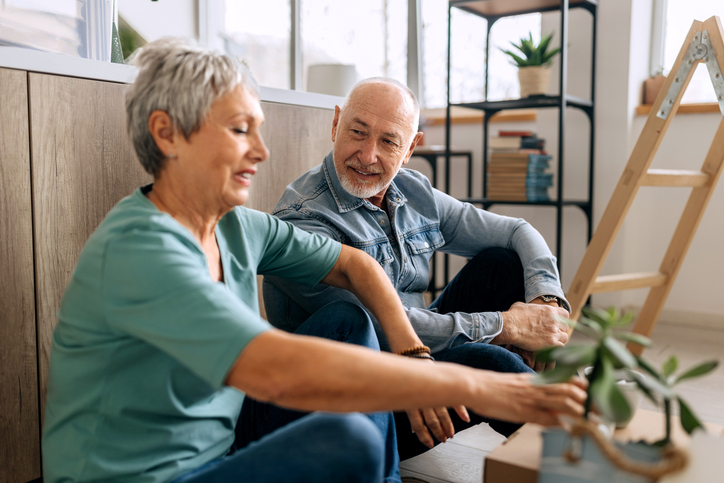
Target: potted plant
533 62
606 354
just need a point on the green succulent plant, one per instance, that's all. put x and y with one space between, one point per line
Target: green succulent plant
663 382
606 354
531 54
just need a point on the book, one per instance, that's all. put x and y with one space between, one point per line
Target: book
523 134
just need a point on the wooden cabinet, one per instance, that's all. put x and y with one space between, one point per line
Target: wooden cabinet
65 160
19 422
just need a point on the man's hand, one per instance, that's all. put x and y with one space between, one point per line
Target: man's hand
436 420
533 326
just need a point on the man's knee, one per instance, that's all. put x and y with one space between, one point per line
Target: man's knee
357 442
343 322
499 256
485 356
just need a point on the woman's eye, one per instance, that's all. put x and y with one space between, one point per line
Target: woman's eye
239 131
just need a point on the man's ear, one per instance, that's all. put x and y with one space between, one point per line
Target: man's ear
335 122
161 128
414 142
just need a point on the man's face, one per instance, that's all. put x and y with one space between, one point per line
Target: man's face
373 137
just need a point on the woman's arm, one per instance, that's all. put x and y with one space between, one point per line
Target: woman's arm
309 373
362 275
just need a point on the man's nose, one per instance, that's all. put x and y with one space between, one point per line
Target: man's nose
368 152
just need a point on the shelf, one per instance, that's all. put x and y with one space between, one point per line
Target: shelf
583 204
540 101
507 8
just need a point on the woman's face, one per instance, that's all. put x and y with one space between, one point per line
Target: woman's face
218 161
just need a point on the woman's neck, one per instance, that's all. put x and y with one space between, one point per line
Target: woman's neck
187 209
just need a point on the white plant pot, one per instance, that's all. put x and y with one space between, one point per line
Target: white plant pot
533 80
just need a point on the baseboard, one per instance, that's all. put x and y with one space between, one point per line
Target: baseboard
686 318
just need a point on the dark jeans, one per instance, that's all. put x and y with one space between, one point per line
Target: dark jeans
492 281
275 444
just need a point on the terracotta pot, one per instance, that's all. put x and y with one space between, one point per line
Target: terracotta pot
533 80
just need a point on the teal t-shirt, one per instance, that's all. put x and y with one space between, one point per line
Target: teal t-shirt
145 339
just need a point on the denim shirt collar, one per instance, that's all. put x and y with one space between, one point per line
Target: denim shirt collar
348 202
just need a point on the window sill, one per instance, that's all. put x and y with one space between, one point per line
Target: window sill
462 115
702 107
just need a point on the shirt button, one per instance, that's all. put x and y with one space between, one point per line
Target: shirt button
427 245
404 259
382 222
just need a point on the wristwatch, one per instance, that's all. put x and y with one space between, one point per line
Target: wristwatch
551 298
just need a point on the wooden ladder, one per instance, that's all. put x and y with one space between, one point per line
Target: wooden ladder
704 43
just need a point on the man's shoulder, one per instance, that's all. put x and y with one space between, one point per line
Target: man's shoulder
309 191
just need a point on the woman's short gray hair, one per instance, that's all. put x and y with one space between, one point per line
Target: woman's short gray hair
182 80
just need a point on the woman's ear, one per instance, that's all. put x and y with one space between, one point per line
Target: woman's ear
163 132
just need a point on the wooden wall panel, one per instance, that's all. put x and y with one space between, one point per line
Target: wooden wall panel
298 138
83 165
19 421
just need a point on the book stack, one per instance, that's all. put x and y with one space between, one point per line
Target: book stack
517 170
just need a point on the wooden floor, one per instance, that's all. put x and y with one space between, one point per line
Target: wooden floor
461 459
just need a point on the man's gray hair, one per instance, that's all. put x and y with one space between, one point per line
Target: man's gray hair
396 83
183 80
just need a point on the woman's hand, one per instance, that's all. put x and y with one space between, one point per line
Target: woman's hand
514 398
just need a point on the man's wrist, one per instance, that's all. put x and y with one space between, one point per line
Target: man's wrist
551 299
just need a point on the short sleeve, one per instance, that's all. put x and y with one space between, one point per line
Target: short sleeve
298 255
156 288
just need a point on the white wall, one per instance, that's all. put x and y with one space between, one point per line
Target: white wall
624 31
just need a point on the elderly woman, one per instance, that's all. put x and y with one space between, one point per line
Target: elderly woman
159 335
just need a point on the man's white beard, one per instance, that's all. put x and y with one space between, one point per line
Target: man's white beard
360 190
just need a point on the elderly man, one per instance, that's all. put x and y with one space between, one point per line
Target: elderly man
503 304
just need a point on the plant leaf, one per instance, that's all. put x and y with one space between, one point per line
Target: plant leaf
670 366
698 371
596 314
644 389
607 396
575 355
619 352
559 374
648 367
653 384
516 59
622 320
689 421
592 324
635 338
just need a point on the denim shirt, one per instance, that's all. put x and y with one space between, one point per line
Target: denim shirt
421 220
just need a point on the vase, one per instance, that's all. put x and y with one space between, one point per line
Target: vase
593 466
533 80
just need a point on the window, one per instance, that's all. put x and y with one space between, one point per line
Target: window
372 37
259 33
468 54
678 17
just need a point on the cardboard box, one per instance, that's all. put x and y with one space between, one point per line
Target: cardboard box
518 459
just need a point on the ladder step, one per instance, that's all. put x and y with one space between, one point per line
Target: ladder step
675 177
628 281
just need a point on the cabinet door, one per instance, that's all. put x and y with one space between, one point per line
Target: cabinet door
298 138
83 165
19 422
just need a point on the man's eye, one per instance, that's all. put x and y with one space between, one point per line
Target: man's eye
390 142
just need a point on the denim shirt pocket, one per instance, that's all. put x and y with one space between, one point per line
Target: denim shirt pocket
421 245
382 252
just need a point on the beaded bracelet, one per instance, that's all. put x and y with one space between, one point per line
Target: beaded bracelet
422 355
420 349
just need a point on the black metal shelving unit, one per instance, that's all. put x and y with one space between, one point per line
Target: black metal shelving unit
492 11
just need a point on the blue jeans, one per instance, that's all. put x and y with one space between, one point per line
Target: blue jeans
491 281
275 444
